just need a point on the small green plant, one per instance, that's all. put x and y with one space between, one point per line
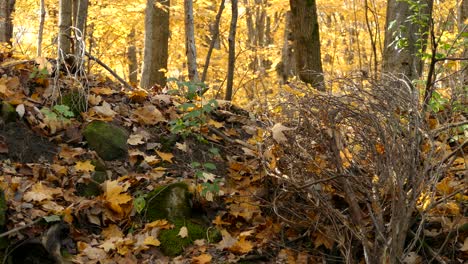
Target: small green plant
195 108
438 102
58 113
203 174
39 73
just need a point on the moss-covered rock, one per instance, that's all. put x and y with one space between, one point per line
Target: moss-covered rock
169 202
108 140
172 244
8 112
76 101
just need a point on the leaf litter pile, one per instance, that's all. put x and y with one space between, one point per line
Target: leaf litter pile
45 161
96 208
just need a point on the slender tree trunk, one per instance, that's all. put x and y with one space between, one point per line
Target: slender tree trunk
232 50
307 42
406 31
214 39
132 59
65 23
40 34
285 67
80 33
190 47
156 44
463 29
6 24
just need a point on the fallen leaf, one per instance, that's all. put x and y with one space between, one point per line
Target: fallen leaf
85 166
115 196
103 90
165 156
202 259
227 241
105 110
148 115
242 246
465 245
40 192
135 139
278 134
152 241
20 110
183 233
324 240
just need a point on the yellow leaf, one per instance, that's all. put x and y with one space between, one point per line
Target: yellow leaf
215 123
115 197
40 192
135 139
242 246
152 241
202 259
165 156
85 166
103 90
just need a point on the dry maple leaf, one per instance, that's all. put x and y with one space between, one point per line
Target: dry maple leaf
85 166
242 246
115 196
202 259
165 156
227 241
135 139
40 193
105 110
277 131
148 115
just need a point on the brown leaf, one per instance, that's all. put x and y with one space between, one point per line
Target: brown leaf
202 259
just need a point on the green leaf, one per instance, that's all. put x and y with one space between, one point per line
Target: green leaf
139 203
209 166
195 164
52 218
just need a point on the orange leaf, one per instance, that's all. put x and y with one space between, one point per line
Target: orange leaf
202 259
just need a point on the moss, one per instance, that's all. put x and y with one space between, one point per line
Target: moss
173 245
109 141
8 112
76 101
169 202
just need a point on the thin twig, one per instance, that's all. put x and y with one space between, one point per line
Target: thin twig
122 81
14 230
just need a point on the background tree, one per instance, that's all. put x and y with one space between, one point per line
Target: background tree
41 28
65 23
307 42
406 28
232 50
132 59
190 47
463 30
6 23
156 43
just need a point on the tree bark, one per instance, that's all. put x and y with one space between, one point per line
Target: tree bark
155 54
232 50
307 42
65 23
190 47
80 33
6 23
406 37
40 34
285 68
132 59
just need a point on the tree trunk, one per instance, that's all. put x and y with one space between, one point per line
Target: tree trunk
65 23
190 47
6 23
307 42
406 37
156 44
232 50
40 34
132 59
285 68
463 29
214 39
80 34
